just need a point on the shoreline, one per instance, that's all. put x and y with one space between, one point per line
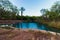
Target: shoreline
21 34
43 31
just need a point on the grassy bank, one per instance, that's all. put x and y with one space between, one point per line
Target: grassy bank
55 24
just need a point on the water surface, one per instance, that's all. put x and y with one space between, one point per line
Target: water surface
34 25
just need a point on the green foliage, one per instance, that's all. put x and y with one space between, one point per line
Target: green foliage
44 11
7 10
53 16
56 7
8 6
22 9
53 13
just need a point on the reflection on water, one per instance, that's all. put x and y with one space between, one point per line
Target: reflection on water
33 25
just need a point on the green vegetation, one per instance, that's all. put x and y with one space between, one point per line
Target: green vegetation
51 17
8 10
54 13
22 9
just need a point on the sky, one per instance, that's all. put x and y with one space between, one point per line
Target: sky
33 7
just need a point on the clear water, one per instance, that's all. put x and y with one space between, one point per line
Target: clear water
33 25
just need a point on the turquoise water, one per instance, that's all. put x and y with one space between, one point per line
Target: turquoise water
33 25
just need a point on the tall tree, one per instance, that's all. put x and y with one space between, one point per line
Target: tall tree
56 7
8 6
8 10
44 11
22 9
54 12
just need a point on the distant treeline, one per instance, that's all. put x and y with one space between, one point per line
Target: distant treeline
11 12
8 11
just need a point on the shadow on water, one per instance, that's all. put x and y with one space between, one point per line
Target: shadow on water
27 25
34 25
40 26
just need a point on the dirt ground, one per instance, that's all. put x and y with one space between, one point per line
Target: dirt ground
19 34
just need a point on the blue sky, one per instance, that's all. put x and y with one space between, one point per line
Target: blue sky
33 7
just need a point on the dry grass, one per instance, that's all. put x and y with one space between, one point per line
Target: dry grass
17 34
54 24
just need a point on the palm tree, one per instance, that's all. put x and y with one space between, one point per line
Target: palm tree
22 9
